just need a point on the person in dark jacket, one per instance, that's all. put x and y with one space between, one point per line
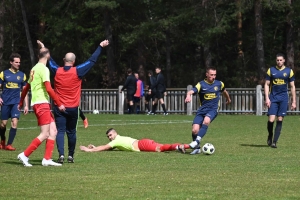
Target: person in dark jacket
160 91
130 85
151 91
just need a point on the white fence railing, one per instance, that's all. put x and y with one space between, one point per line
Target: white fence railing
244 101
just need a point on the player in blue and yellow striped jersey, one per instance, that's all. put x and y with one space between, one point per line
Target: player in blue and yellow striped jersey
209 91
276 96
12 82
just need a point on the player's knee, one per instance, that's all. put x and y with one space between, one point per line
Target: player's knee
2 125
195 130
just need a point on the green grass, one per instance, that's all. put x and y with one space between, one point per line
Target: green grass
242 167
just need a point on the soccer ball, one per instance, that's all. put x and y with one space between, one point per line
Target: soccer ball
208 149
95 112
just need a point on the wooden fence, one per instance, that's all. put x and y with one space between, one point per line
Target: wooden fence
111 101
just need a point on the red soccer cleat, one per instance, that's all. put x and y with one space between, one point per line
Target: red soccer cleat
2 144
10 148
85 123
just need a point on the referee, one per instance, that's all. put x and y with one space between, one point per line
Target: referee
130 85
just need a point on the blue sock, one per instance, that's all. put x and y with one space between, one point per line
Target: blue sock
202 131
12 135
2 133
277 130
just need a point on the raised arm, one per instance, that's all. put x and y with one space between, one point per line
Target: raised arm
83 68
92 148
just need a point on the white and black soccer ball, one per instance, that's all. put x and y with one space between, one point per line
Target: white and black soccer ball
208 149
95 112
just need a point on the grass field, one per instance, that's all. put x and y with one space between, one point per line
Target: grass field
242 167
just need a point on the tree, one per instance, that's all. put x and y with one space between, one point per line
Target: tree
289 37
2 11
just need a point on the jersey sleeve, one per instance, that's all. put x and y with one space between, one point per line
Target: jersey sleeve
113 143
24 80
83 68
53 66
197 88
222 86
1 77
45 76
268 74
292 76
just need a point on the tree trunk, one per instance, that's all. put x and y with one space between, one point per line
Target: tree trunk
168 58
31 52
259 42
109 48
141 62
207 56
240 58
2 10
289 39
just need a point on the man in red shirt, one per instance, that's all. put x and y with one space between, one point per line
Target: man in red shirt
138 93
67 84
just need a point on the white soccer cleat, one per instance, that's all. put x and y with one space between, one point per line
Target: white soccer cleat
194 144
24 159
50 162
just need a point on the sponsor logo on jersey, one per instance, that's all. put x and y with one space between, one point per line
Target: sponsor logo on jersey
12 85
278 81
210 96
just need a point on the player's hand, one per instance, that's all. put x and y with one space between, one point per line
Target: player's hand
25 110
20 106
165 93
293 106
90 146
268 103
83 148
104 43
228 101
1 101
62 108
120 91
187 99
41 45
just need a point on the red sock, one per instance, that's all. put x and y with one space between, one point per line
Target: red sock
49 149
169 147
32 147
186 146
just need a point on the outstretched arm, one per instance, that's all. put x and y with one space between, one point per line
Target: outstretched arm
83 68
92 148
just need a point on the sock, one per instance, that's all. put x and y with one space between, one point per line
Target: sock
164 107
169 147
2 133
49 149
32 147
270 129
201 132
82 116
194 137
277 131
12 135
154 108
147 106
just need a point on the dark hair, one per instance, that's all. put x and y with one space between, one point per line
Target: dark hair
43 53
109 130
280 55
13 56
210 68
129 71
150 72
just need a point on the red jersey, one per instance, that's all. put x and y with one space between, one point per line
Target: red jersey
67 86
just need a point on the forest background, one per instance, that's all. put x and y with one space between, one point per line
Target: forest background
239 37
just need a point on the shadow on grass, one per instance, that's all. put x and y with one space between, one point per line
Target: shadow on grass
254 145
17 162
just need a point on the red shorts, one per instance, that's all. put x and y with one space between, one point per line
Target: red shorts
43 113
148 145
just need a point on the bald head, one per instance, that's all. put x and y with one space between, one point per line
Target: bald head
70 57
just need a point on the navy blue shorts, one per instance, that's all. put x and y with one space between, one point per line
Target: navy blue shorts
10 111
201 113
278 108
136 99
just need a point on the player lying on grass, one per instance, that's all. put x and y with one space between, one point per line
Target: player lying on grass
124 143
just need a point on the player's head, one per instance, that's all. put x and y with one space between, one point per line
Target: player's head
136 75
280 59
150 73
211 74
129 71
69 59
44 53
157 70
15 61
111 134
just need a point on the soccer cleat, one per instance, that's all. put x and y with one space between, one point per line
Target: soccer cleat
2 144
195 151
50 162
70 159
166 113
10 148
149 113
274 145
24 160
269 141
61 159
194 144
85 123
181 148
